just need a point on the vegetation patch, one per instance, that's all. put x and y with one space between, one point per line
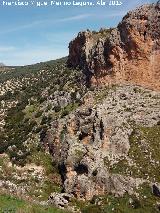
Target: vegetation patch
145 202
10 204
144 151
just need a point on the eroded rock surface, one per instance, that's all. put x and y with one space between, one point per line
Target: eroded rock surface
90 142
128 53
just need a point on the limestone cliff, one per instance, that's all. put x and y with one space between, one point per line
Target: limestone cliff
109 144
128 53
101 147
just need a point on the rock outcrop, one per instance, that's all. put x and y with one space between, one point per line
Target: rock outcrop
106 145
128 53
95 148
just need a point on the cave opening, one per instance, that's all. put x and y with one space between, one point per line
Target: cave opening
83 135
81 169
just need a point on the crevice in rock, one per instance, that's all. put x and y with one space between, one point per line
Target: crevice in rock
43 135
94 173
94 129
82 135
101 130
158 123
92 139
145 35
66 198
62 171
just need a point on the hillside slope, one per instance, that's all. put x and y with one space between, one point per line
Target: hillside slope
70 143
31 98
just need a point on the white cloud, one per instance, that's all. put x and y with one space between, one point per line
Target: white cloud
44 22
111 15
74 18
6 48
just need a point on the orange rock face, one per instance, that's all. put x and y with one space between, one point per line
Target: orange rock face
128 53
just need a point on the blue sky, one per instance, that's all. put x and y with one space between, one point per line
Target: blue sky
33 34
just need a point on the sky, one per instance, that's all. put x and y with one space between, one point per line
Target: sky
32 34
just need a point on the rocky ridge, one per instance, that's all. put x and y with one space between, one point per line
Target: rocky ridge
128 53
109 144
82 149
91 143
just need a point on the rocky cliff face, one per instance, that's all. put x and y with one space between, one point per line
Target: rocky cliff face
101 148
100 144
109 144
128 53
